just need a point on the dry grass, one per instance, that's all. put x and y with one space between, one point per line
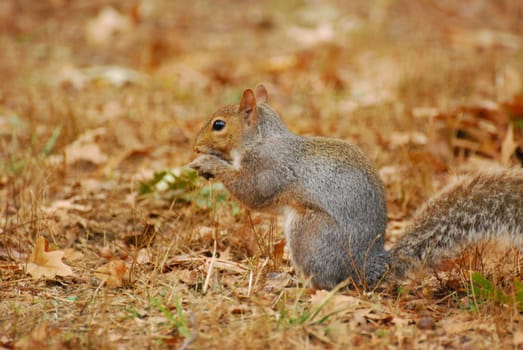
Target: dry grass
388 76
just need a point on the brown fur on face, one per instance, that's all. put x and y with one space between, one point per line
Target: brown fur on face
220 143
238 120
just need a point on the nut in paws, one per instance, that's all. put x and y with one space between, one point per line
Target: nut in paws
201 166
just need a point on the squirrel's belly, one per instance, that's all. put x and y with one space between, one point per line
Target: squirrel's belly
236 159
289 214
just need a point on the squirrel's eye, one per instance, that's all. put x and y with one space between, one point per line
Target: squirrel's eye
218 125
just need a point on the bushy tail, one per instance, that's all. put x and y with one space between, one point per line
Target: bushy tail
484 206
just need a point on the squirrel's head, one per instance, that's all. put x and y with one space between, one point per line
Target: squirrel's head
225 131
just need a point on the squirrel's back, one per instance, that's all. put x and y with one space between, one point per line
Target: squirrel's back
345 181
474 208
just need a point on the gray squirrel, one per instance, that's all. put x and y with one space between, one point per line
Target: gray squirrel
333 200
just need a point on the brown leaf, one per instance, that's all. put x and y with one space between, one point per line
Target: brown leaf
518 338
143 257
102 29
327 302
38 338
186 276
70 75
483 39
45 263
126 133
276 282
67 204
112 273
310 37
278 249
86 149
71 254
508 83
476 128
515 106
398 139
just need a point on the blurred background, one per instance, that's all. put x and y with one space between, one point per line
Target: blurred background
122 86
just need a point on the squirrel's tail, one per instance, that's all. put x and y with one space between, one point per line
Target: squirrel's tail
484 206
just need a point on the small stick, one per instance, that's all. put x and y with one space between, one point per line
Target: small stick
209 270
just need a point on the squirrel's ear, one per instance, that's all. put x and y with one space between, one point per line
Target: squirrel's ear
248 107
261 94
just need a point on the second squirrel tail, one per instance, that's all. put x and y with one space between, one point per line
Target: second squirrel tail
485 206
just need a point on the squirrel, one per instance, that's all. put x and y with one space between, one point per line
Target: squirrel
333 200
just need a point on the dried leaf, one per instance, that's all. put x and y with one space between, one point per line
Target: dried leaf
424 112
143 257
115 75
483 39
126 134
338 301
106 252
310 37
109 22
477 128
38 338
276 282
70 75
398 139
280 63
518 338
86 149
228 266
45 263
220 264
189 277
65 204
72 254
278 249
226 254
515 106
328 303
508 83
112 273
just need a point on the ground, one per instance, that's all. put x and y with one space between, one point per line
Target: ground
96 251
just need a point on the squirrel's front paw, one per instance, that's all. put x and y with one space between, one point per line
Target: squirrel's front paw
204 166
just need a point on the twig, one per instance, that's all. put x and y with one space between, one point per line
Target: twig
250 283
209 270
260 272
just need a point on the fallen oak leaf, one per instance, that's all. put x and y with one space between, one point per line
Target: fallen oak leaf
112 273
45 263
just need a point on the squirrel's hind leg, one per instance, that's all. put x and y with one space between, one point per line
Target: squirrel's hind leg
321 252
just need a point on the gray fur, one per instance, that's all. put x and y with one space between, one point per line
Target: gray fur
480 207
